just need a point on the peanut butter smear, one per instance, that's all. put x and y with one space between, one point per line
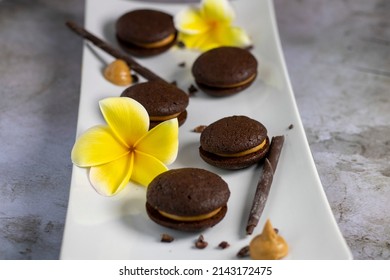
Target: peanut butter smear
118 73
268 245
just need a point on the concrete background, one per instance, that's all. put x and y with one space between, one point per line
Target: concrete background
338 57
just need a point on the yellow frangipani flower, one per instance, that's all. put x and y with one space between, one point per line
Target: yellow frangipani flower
125 149
209 26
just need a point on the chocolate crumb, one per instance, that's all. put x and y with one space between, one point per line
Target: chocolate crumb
199 128
276 230
200 243
166 238
134 78
223 245
182 64
291 126
192 89
180 44
174 83
244 252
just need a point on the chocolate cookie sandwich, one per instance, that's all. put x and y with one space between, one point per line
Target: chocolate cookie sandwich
161 100
234 142
224 71
187 199
145 32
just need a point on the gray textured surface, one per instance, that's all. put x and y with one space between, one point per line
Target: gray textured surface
338 57
40 80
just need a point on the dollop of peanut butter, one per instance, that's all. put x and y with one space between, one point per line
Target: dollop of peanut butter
118 73
268 245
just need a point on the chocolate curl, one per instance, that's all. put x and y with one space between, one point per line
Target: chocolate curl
264 184
134 65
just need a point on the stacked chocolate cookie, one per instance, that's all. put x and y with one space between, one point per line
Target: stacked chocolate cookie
145 32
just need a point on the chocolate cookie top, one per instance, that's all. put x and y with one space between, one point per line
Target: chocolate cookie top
144 26
158 98
187 192
232 134
224 67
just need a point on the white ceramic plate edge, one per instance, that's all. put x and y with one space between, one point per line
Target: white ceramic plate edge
80 224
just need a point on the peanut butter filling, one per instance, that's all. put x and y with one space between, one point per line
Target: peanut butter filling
164 118
158 44
246 152
190 218
268 245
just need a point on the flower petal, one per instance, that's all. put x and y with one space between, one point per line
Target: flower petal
161 142
146 168
110 178
190 40
127 118
97 146
202 42
190 21
217 10
232 36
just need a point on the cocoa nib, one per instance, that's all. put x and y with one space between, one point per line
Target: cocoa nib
166 238
244 252
134 78
223 245
192 90
199 128
200 243
180 45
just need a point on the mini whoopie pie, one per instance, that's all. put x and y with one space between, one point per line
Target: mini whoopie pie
224 71
187 199
145 32
162 101
234 142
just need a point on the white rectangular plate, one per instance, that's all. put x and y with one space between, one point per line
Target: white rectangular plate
118 228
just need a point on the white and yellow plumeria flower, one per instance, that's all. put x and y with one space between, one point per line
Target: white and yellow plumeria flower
210 26
125 149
